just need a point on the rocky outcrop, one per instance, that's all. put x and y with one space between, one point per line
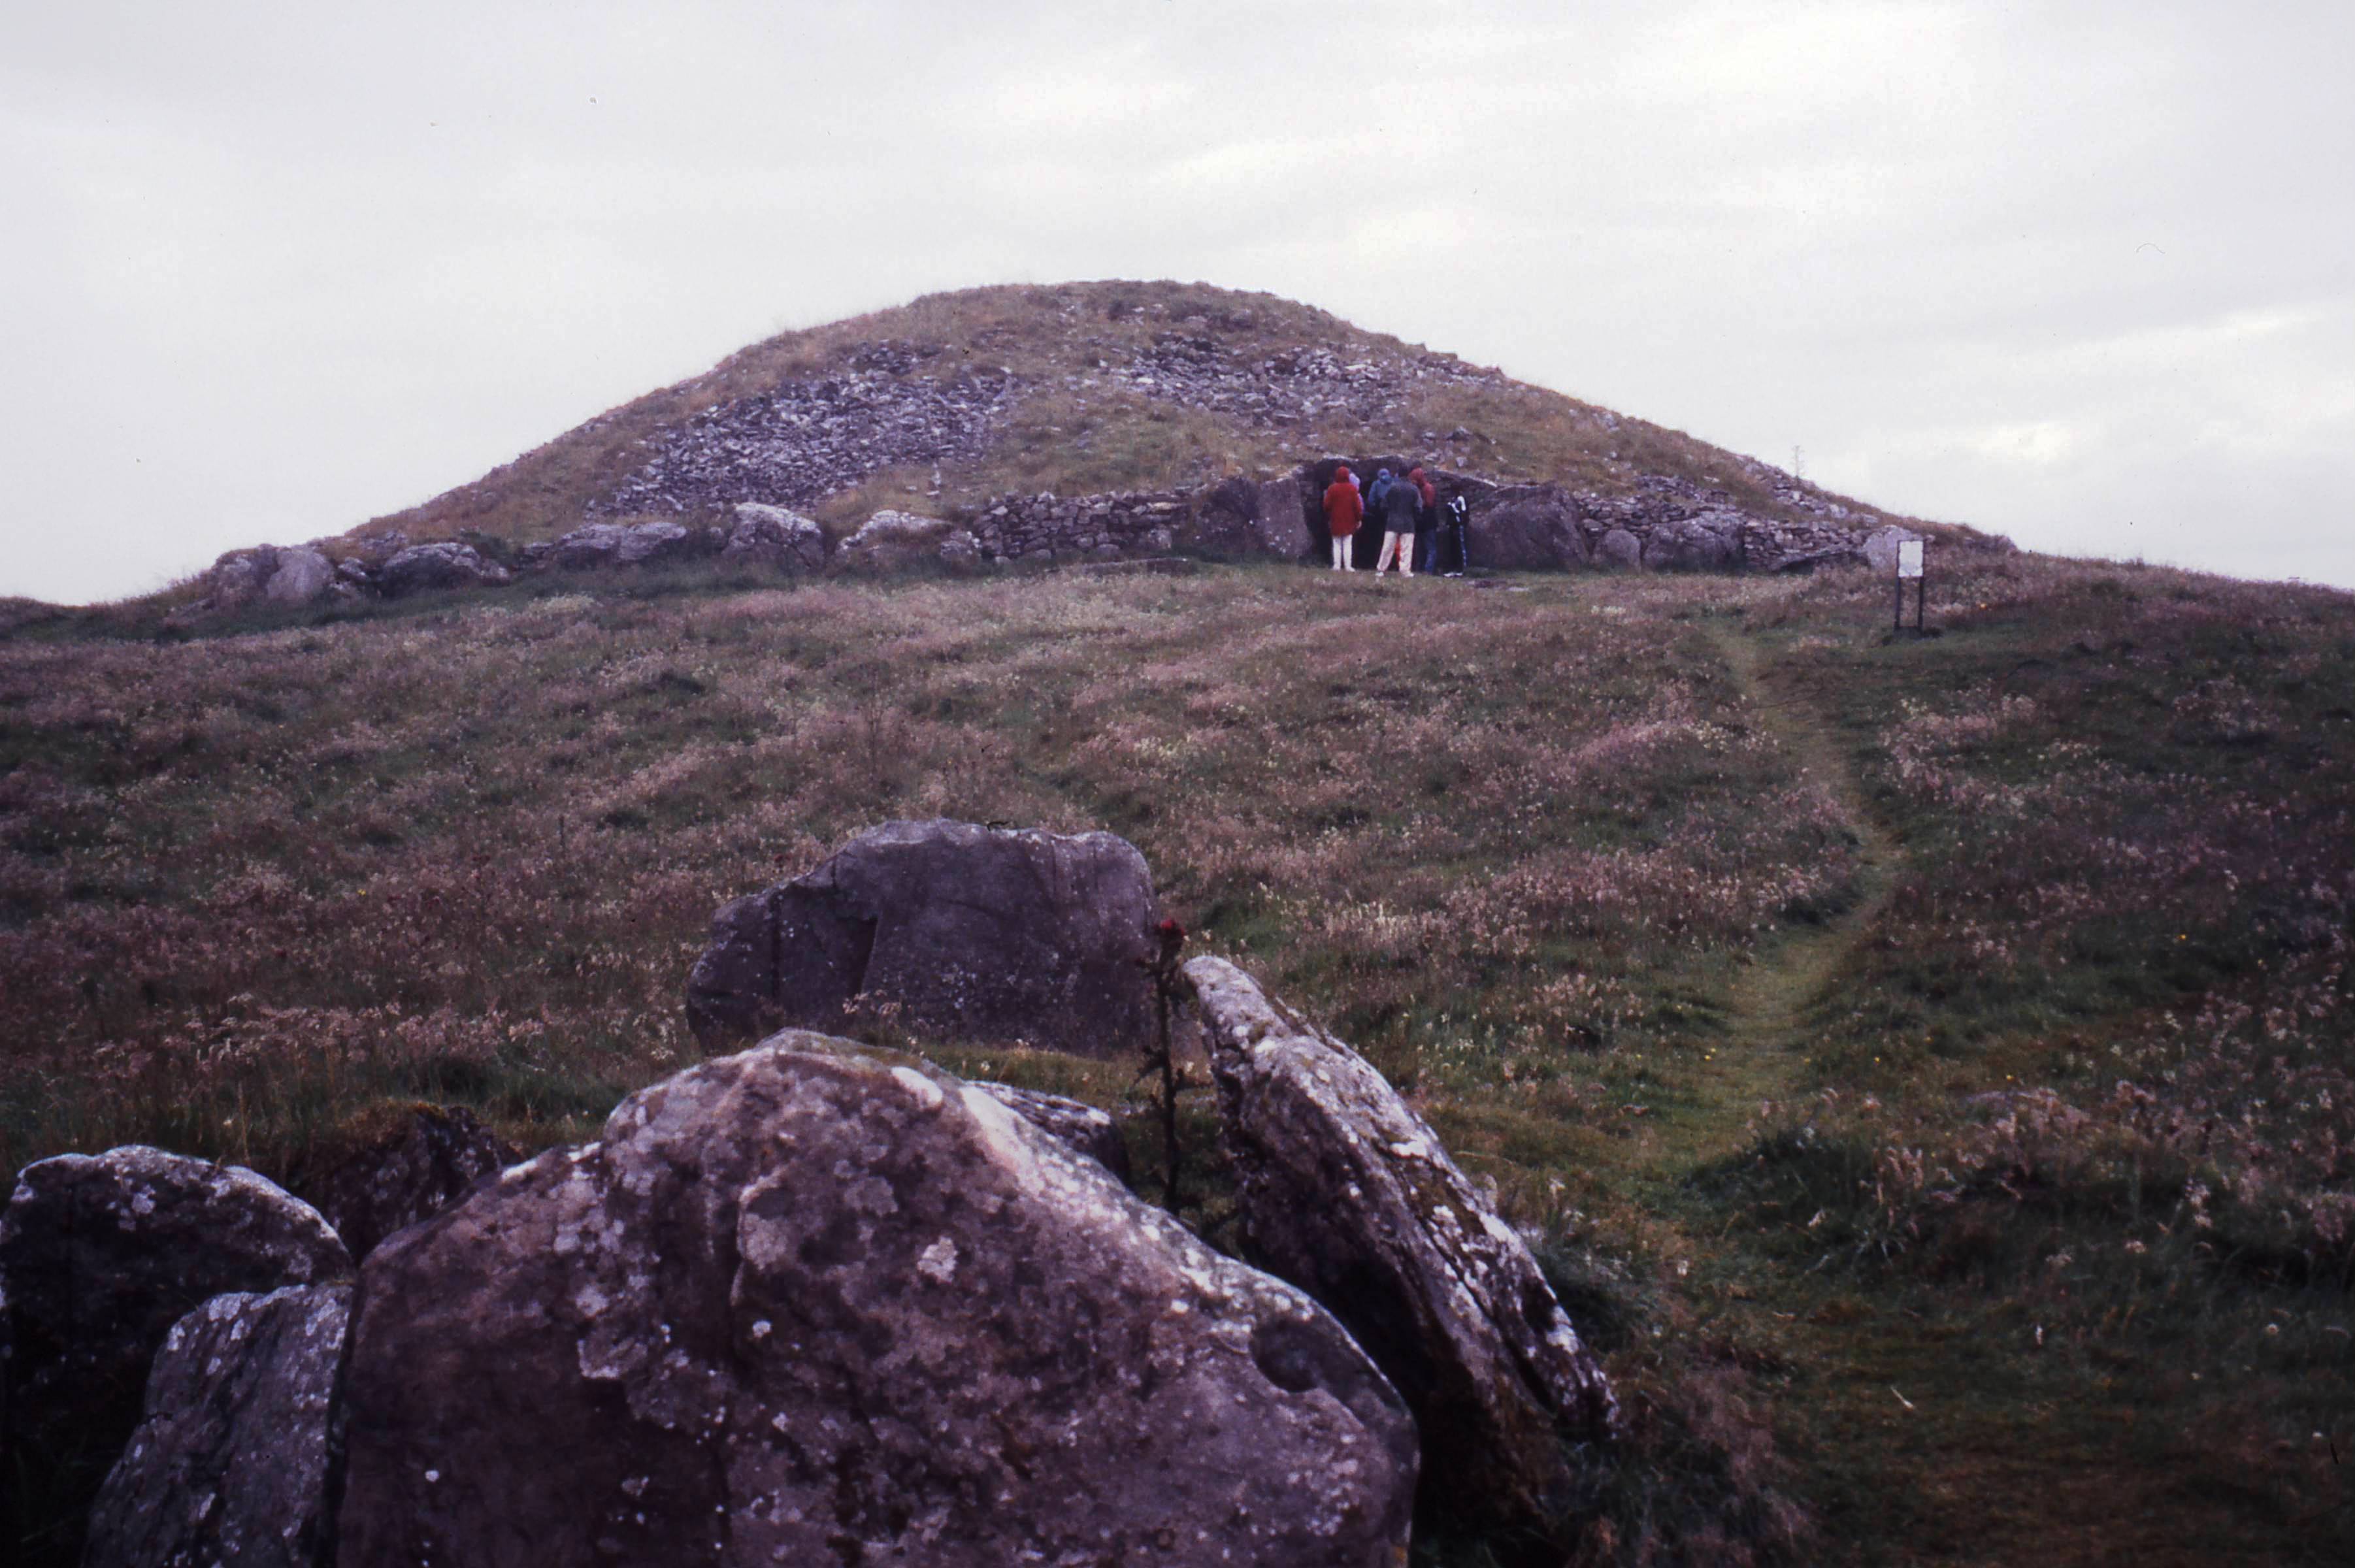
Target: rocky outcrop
608 546
286 575
442 565
1081 1129
773 536
956 930
1527 528
303 575
1711 543
100 1255
231 1463
1346 1193
808 1304
407 1174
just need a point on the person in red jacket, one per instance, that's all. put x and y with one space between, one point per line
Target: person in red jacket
1343 511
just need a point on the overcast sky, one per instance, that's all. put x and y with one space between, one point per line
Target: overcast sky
2080 273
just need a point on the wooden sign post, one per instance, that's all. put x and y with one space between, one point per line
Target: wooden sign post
1909 565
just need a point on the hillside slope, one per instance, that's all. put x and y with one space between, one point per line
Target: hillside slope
1926 1064
1076 389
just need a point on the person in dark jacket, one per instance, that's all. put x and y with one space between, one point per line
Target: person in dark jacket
1426 520
1454 544
1400 505
1343 511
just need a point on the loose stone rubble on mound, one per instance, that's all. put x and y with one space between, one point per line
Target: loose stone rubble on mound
811 436
809 1305
1348 1194
231 1463
968 932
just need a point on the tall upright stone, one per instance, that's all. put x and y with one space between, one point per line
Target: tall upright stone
1347 1193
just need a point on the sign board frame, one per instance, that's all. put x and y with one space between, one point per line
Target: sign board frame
1912 567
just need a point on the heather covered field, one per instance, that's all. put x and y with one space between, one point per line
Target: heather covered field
1926 1064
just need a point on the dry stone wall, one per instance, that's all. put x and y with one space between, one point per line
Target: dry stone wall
1665 524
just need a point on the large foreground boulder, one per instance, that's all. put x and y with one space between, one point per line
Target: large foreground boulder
231 1463
805 1305
99 1255
964 931
1346 1193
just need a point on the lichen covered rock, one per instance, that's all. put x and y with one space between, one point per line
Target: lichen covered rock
1081 1128
230 1464
1347 1193
809 1305
100 1255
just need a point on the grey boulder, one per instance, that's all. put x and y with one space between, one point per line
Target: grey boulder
809 1305
774 537
422 568
605 546
230 1462
893 541
281 574
303 575
1710 542
962 931
1280 519
1347 1193
1527 526
1079 1127
409 1173
1618 550
100 1255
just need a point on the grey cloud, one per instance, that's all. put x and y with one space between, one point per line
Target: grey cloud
297 265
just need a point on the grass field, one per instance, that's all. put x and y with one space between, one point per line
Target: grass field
1925 1064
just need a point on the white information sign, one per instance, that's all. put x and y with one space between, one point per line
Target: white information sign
1909 558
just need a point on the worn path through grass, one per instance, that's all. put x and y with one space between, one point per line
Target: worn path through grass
1763 1055
1923 1433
